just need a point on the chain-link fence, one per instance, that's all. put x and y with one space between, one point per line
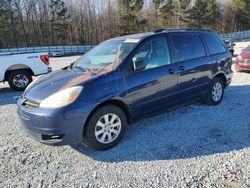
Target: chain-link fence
81 49
237 36
52 50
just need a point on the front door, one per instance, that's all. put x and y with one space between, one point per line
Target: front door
154 86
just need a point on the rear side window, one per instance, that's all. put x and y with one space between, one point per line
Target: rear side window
187 47
214 44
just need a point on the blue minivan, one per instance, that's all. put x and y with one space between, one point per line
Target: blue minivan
123 80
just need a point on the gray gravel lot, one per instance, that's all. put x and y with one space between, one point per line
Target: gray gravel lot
195 146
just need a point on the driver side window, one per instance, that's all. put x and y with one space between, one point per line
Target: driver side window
154 53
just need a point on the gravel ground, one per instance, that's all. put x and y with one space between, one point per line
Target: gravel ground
195 146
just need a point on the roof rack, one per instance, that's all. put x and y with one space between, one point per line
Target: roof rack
124 34
159 30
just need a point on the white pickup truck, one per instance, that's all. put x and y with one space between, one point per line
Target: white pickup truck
18 69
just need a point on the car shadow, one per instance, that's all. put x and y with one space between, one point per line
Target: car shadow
8 96
191 131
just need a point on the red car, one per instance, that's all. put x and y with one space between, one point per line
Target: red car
243 61
247 49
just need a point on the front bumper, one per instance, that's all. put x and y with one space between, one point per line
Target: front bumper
54 126
241 66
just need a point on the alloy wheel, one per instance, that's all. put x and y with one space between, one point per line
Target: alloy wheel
217 91
108 128
20 80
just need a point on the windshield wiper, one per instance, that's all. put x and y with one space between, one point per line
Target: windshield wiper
71 65
83 68
78 67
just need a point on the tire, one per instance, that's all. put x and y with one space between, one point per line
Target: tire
211 99
237 70
24 77
101 133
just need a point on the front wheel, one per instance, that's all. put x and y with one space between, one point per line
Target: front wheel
215 93
19 79
105 128
237 69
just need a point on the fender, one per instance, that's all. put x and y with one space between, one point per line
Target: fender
5 73
221 75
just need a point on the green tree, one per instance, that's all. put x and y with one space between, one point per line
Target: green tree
129 21
195 15
163 12
247 12
242 16
156 4
204 13
184 6
9 22
58 20
212 13
167 12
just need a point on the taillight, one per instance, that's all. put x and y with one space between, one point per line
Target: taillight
45 59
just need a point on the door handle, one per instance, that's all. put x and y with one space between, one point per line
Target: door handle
170 71
182 68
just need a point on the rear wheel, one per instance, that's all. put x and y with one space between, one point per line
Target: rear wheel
216 92
105 128
19 80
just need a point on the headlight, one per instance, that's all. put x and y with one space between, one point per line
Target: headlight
62 98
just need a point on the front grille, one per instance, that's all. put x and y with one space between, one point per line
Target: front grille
247 61
30 104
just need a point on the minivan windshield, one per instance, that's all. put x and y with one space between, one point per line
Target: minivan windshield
106 56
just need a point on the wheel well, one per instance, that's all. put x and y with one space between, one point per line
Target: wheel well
223 78
114 102
17 67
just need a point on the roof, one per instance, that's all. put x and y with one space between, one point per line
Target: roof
140 36
159 30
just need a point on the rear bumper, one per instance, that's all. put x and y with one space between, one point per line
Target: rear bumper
49 70
54 127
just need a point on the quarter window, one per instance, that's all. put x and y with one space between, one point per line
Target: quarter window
214 44
154 53
187 47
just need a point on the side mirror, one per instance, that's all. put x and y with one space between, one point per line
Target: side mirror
139 64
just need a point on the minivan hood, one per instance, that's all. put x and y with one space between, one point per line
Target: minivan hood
56 81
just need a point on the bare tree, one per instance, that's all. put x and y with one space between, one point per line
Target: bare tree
27 23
